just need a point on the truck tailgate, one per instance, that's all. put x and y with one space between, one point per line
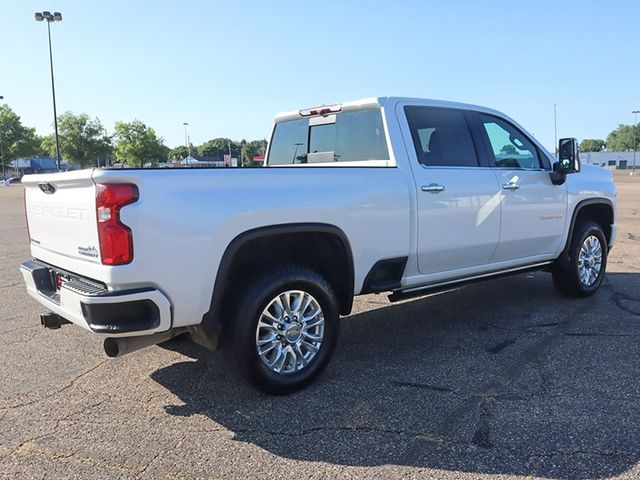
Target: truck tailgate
61 214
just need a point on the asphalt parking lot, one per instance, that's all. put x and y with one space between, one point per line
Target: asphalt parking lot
504 379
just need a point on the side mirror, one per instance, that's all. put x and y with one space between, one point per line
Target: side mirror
569 157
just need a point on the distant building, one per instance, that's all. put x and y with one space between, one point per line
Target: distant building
611 160
37 165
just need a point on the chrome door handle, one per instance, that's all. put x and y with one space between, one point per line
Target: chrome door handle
433 188
510 186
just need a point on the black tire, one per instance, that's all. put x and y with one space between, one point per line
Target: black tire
565 273
244 322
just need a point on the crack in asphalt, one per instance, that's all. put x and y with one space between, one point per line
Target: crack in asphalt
328 428
526 329
460 415
568 452
492 391
57 392
481 435
589 334
480 439
618 297
17 329
32 449
145 467
501 346
425 386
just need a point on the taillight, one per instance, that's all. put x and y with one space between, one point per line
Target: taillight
116 242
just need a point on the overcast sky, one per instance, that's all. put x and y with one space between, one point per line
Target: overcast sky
227 67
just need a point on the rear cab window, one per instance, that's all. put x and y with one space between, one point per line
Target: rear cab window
350 138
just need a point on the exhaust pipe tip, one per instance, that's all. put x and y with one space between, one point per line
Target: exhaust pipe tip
119 346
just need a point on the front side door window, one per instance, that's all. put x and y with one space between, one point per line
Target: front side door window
509 147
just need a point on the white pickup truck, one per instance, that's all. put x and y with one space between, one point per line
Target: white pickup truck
378 195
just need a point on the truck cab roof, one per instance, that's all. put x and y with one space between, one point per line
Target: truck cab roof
378 102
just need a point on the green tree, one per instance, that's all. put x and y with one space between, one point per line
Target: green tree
17 140
137 144
252 149
622 138
48 145
217 148
83 140
179 152
592 145
39 149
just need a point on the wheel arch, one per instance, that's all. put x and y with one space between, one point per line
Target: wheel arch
599 210
278 239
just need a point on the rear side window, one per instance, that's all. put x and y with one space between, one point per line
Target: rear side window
289 142
343 137
441 137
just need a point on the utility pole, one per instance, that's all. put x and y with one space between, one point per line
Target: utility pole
635 139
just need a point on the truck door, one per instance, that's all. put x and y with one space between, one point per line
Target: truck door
533 208
458 201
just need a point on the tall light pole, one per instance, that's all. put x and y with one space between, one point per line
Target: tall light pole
186 142
52 17
635 138
555 128
2 151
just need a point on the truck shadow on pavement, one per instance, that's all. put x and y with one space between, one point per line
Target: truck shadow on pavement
504 377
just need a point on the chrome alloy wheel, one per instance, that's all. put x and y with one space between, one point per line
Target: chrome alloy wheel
590 260
290 332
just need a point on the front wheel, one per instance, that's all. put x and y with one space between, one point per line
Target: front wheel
284 329
582 275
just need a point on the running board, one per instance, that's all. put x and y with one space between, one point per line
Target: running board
400 295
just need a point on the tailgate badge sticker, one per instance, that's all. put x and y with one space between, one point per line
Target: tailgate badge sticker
47 187
88 251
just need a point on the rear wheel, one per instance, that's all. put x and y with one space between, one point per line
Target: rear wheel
582 274
284 329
